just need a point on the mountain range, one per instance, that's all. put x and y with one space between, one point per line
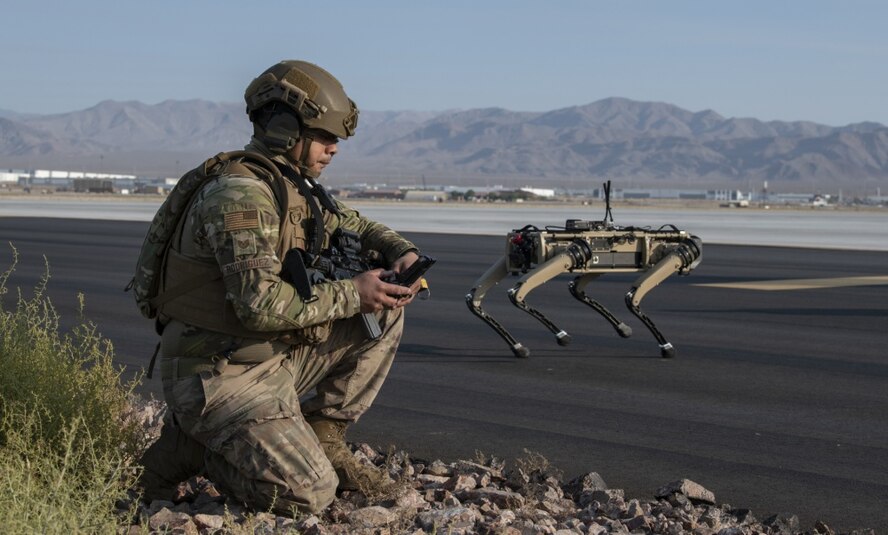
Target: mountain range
636 144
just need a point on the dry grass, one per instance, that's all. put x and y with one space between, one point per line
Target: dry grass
65 451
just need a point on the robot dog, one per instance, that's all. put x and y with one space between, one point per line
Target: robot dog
589 249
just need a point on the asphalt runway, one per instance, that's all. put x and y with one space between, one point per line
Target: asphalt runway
777 400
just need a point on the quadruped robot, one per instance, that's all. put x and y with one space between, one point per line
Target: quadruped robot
589 249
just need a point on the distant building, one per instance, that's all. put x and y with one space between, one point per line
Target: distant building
391 194
540 192
419 195
644 193
679 194
147 189
790 198
93 185
9 177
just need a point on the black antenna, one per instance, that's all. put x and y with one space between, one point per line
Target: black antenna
608 216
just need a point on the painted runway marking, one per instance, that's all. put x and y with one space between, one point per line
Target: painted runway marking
802 284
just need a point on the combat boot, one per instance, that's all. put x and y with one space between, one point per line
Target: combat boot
353 475
172 458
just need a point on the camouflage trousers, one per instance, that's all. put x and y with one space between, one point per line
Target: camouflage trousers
243 425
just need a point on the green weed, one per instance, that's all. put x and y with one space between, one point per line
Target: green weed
66 448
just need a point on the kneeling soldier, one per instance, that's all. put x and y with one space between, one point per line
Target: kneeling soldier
241 347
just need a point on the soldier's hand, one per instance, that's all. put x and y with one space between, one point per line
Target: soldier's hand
376 294
405 262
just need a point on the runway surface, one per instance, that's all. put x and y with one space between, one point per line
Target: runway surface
777 400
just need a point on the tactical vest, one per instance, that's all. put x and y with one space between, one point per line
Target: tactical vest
192 290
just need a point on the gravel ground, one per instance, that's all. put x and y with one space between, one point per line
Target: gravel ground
479 496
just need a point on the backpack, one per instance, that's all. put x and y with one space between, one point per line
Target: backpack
145 284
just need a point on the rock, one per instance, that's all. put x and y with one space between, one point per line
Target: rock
541 519
408 471
450 519
527 527
494 471
429 481
586 482
694 491
307 523
634 509
264 524
573 524
782 523
712 517
460 482
371 517
502 498
637 522
437 495
451 501
465 497
601 496
412 499
309 526
613 526
742 516
438 468
549 492
166 521
157 505
558 508
283 524
368 452
500 522
517 479
615 509
210 522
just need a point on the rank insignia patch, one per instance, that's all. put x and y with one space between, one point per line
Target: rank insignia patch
244 243
243 220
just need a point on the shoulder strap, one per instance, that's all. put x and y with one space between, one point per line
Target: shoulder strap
317 217
239 162
307 187
245 157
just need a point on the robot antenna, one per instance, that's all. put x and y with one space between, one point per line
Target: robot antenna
608 216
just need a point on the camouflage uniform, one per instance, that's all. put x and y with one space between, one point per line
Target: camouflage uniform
235 396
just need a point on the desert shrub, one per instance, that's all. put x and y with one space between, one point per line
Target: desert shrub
66 447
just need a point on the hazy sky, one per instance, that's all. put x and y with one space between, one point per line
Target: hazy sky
788 60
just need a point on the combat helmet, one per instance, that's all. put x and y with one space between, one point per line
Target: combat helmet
292 98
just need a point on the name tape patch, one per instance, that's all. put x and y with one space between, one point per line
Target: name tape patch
246 265
243 220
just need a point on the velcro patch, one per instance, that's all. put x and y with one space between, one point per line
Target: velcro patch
244 243
247 264
243 220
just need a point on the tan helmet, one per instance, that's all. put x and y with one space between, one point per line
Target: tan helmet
313 95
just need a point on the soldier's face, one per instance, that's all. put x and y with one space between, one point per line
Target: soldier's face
323 147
